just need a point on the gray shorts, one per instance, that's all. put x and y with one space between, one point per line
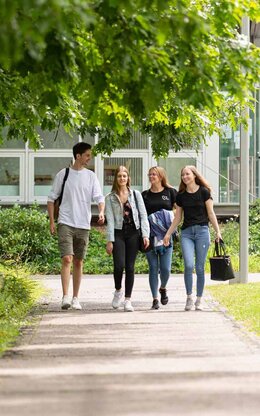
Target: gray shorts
73 241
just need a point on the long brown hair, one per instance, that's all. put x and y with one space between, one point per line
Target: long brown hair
115 187
199 179
161 175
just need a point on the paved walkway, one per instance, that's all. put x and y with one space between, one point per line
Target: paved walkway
99 361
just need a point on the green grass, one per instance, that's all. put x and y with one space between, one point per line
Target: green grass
242 301
18 295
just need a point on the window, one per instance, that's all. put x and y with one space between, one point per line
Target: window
9 176
138 141
11 144
133 164
45 169
58 139
229 164
173 166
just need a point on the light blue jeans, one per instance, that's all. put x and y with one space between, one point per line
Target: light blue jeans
159 263
195 240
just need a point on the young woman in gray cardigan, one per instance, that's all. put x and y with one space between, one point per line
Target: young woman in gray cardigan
123 231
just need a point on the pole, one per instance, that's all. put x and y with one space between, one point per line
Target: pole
244 182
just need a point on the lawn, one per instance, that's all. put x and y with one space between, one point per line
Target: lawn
242 301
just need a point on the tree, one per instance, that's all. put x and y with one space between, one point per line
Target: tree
177 70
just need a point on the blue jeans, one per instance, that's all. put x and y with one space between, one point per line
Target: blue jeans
195 240
159 263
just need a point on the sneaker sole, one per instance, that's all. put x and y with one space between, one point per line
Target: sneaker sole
66 306
188 309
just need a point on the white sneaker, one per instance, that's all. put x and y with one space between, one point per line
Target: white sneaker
75 304
128 306
65 303
198 305
117 299
189 304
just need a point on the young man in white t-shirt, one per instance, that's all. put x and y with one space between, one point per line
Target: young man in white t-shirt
81 187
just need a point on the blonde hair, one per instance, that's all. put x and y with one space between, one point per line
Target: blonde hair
162 175
199 179
115 187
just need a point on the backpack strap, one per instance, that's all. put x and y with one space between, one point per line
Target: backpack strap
63 184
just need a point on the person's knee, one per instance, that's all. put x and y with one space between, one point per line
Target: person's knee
130 270
77 262
66 260
118 269
165 273
119 264
200 268
189 267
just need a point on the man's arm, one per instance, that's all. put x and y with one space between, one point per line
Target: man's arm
101 216
50 208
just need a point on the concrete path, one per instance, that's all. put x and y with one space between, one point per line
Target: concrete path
100 361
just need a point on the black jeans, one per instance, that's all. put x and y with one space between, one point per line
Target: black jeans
125 249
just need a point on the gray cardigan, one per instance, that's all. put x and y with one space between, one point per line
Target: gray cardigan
114 214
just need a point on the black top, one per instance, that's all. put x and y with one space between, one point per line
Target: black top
154 201
193 204
127 214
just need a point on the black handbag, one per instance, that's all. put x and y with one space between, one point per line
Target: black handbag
141 244
220 264
141 241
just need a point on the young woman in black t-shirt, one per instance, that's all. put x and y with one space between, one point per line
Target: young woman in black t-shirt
161 195
195 204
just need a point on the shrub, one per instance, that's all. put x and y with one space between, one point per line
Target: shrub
230 231
18 294
25 238
24 235
254 234
97 260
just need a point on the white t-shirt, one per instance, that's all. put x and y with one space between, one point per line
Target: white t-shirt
81 187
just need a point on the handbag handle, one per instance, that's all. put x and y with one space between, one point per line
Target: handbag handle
220 248
221 252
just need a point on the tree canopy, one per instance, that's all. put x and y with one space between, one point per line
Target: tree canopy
176 70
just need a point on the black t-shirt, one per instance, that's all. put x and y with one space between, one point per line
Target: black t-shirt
193 204
154 201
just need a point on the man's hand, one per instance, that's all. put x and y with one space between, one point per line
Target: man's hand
52 227
50 208
101 218
146 242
